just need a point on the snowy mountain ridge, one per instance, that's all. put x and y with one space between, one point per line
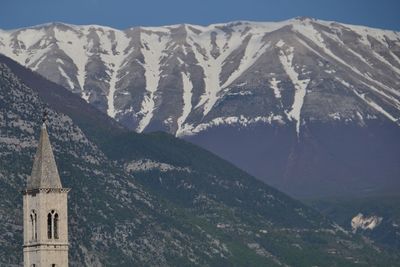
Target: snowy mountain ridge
187 78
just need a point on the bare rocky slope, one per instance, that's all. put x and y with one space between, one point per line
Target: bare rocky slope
152 199
291 102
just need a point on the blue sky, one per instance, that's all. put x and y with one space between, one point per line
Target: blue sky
126 13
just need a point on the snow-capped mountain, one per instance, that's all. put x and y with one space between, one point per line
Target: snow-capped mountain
186 78
200 82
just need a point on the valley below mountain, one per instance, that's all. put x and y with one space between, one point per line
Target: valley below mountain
378 218
153 199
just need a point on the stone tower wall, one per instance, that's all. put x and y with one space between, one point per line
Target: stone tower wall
43 251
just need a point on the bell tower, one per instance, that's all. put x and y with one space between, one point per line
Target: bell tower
45 211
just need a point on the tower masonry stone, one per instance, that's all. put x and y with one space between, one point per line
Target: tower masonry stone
45 211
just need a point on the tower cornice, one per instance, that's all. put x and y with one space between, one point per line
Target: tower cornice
44 244
45 190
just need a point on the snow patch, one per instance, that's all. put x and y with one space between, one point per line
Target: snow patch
335 115
241 93
73 45
38 58
85 96
286 59
67 78
153 47
187 102
375 106
254 49
240 121
310 48
397 58
365 222
212 67
344 82
312 34
274 85
226 43
385 61
360 57
114 58
25 56
330 71
30 37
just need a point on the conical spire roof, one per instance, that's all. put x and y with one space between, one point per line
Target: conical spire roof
44 171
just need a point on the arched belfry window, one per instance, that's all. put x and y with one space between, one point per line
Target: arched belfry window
33 220
49 228
55 223
52 225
